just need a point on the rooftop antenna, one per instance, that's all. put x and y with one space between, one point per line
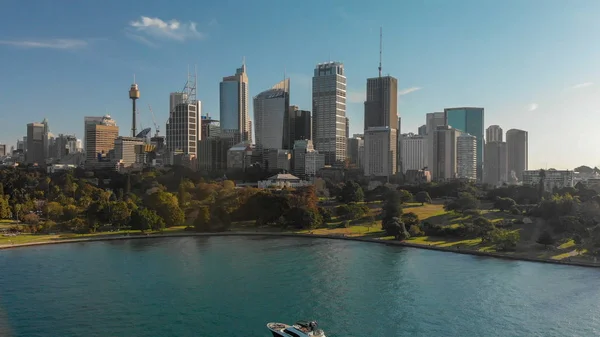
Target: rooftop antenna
380 47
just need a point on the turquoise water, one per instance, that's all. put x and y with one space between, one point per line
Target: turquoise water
233 286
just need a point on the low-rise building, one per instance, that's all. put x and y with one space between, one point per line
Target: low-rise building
283 180
553 178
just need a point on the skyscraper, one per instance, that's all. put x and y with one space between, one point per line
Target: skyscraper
234 116
36 142
517 153
432 121
100 135
469 120
381 106
270 108
183 127
493 134
299 126
445 153
495 164
466 161
329 111
413 152
423 130
380 157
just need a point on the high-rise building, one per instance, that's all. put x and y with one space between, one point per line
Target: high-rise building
423 130
413 152
381 106
380 158
183 128
329 111
270 108
124 150
37 140
64 145
100 135
469 120
432 121
466 161
46 136
2 150
493 134
445 153
517 153
495 164
356 150
299 126
234 115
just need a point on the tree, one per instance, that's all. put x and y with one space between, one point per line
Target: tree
545 239
396 228
303 218
54 210
423 197
392 207
464 202
410 219
145 219
202 221
482 227
167 207
70 212
504 239
405 196
119 213
415 231
504 204
351 192
31 219
5 212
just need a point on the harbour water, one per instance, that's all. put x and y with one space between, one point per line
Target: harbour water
233 286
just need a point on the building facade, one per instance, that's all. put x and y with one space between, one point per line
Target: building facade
493 134
445 153
270 110
413 152
100 135
553 178
432 121
234 114
183 131
517 153
466 161
125 150
471 121
305 159
380 159
329 111
356 150
495 164
381 106
299 126
37 140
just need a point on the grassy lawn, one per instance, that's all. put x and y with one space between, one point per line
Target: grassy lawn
444 242
426 211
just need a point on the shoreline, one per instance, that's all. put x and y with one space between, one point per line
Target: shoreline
318 236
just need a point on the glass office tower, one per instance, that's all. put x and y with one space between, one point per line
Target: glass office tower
471 121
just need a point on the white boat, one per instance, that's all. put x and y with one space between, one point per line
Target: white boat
300 329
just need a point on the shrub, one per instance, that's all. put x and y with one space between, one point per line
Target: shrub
415 231
577 238
515 210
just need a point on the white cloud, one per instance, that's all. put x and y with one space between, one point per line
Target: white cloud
157 28
532 106
356 96
48 43
582 85
408 91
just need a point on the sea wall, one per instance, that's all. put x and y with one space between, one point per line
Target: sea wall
331 237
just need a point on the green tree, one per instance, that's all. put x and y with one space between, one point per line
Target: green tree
415 231
504 204
70 212
465 201
352 192
482 227
54 210
392 207
405 196
410 219
119 213
396 228
423 197
146 219
31 219
202 221
5 212
545 239
167 207
504 239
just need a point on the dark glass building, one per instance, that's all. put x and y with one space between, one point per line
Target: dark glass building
471 121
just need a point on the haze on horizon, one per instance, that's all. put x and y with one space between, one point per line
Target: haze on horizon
531 64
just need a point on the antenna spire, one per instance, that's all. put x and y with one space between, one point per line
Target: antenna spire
380 47
133 78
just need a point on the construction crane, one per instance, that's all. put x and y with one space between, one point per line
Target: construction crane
154 121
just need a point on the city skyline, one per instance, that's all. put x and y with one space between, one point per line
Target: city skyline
516 73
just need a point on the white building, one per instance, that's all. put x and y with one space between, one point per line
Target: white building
307 161
280 181
270 108
413 152
124 150
466 157
445 153
329 111
379 154
183 128
554 178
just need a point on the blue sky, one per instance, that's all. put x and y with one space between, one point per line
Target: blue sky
532 64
